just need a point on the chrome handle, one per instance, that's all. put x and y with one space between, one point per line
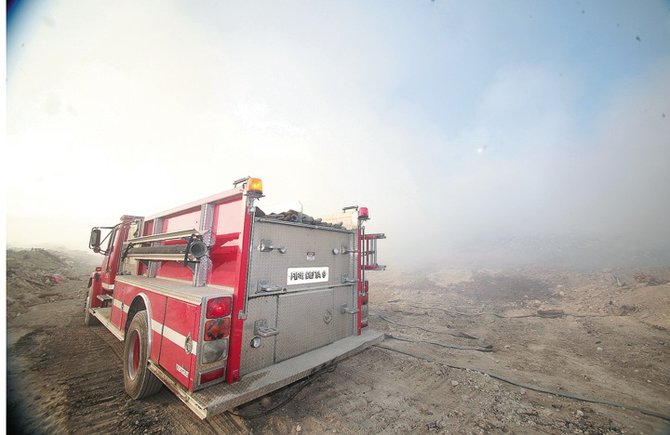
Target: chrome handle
265 286
267 246
344 309
262 329
346 280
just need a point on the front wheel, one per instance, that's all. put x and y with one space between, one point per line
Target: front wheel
137 378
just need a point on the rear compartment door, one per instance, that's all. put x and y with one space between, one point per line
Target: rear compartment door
305 322
177 354
307 275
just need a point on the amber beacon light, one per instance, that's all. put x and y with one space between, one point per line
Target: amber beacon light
255 185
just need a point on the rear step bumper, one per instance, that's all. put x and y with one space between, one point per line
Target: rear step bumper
223 397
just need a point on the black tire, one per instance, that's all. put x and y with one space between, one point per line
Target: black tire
137 378
89 319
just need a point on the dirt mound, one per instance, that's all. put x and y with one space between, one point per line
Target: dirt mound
446 277
650 305
36 276
502 287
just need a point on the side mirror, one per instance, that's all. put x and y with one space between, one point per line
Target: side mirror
94 241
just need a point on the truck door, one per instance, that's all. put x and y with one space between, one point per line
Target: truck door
117 305
110 296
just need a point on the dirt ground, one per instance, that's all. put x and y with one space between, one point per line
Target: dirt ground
602 335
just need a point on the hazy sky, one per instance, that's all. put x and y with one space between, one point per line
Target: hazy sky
463 126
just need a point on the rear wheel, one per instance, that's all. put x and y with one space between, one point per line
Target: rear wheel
137 378
89 319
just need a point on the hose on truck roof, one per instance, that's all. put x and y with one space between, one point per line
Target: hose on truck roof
297 216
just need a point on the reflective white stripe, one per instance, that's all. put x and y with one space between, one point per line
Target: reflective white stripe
172 335
107 286
118 304
157 326
177 338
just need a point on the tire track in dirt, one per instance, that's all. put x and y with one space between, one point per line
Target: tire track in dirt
70 380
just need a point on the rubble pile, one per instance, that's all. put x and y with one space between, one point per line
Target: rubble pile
40 275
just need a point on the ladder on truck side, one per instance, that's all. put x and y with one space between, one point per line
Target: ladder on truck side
369 251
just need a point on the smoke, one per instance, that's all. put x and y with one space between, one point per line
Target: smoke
532 181
542 189
476 135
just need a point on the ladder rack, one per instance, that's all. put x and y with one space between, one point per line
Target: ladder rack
370 251
165 236
157 252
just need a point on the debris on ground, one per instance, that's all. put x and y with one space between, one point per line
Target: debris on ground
570 331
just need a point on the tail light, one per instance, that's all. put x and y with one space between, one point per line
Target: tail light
217 329
213 375
219 307
213 348
213 351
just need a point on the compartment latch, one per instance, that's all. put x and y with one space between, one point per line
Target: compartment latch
344 309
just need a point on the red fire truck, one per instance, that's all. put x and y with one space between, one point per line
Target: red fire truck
224 304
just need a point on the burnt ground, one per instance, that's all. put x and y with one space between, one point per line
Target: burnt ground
603 334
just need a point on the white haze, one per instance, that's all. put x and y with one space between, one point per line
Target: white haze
135 107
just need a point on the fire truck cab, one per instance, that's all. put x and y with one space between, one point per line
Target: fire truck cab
224 304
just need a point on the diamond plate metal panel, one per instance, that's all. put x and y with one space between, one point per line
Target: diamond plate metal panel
305 322
218 398
254 359
305 247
